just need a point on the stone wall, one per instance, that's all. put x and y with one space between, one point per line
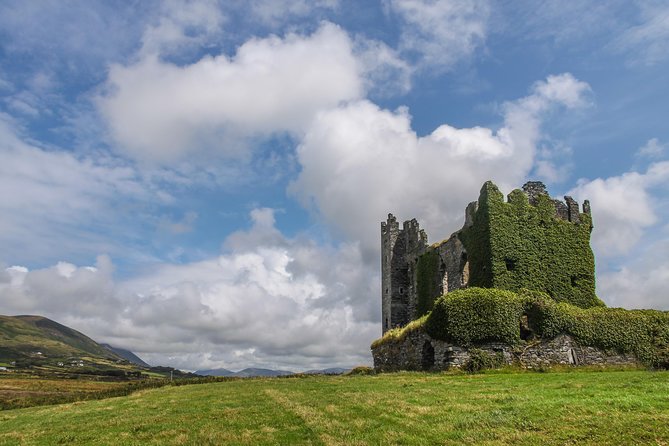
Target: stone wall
418 351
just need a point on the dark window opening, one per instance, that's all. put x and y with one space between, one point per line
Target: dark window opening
386 290
386 323
510 264
574 281
463 261
428 356
525 330
401 291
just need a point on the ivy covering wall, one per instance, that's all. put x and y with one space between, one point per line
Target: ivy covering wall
474 316
428 277
515 246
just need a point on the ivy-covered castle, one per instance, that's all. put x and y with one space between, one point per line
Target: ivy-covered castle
515 285
531 241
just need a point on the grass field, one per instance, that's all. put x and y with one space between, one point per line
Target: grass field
27 390
577 407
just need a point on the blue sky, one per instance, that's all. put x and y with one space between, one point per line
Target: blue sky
202 182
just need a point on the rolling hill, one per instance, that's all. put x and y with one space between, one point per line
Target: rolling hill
128 355
39 339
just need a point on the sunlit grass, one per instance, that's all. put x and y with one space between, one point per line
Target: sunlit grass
576 407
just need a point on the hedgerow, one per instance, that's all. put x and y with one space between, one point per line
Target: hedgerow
475 316
516 246
645 333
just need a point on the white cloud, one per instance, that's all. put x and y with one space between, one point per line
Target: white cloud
159 111
551 19
648 41
440 33
182 25
276 12
553 163
63 289
641 282
275 302
623 207
57 203
653 149
359 162
78 37
384 71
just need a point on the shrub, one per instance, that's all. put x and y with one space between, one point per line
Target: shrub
481 360
477 315
361 370
644 333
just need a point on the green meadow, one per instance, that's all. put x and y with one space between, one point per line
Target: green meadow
579 407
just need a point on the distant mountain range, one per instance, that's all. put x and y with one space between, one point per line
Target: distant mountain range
256 372
38 342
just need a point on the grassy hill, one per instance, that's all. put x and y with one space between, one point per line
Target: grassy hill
39 346
556 408
40 340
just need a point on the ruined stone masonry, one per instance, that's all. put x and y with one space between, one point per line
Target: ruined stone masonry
418 351
405 254
530 241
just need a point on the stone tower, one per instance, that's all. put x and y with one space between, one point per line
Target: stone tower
396 246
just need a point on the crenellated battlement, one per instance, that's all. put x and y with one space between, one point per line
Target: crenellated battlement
566 210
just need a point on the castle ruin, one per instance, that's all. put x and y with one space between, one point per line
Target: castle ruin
529 241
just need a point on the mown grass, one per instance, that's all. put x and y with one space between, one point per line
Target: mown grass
577 407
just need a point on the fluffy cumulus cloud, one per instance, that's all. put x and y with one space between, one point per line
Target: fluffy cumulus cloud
175 93
59 289
269 300
158 111
641 282
439 33
629 241
360 161
624 207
